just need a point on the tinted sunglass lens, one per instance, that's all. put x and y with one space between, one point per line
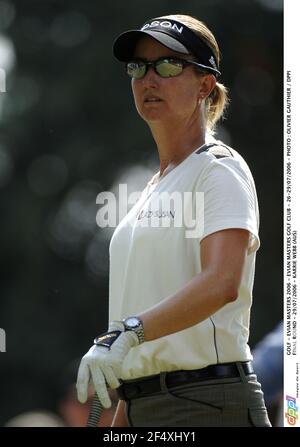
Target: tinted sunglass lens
136 70
168 69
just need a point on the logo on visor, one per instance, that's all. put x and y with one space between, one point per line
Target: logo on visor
164 24
213 63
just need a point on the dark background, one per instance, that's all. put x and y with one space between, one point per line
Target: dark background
69 130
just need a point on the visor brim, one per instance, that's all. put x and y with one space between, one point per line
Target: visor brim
125 44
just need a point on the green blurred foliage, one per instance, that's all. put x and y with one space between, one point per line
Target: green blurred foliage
68 128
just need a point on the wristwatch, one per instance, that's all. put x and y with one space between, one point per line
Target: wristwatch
135 324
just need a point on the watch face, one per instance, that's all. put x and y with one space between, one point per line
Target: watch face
132 322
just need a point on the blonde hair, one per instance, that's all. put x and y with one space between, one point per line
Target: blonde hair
218 100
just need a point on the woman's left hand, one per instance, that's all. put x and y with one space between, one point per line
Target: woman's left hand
103 364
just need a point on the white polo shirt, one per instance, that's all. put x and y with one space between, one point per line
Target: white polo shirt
151 258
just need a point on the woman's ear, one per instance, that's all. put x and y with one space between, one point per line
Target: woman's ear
207 84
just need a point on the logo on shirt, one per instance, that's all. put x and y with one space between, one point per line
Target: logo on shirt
159 214
153 210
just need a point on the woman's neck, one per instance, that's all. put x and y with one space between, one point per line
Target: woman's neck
175 143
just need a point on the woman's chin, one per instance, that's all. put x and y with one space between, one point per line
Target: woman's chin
151 116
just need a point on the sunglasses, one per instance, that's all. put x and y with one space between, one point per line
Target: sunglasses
166 67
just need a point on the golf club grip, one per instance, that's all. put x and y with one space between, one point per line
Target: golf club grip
95 412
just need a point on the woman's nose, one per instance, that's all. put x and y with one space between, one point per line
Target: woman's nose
151 77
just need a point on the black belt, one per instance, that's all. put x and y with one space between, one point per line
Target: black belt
150 385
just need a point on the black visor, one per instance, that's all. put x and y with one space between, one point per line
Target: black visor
173 35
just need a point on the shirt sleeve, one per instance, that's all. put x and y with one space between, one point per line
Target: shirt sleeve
229 199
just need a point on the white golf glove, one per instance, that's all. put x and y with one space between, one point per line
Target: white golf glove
104 364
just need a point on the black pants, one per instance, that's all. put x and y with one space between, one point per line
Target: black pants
235 402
